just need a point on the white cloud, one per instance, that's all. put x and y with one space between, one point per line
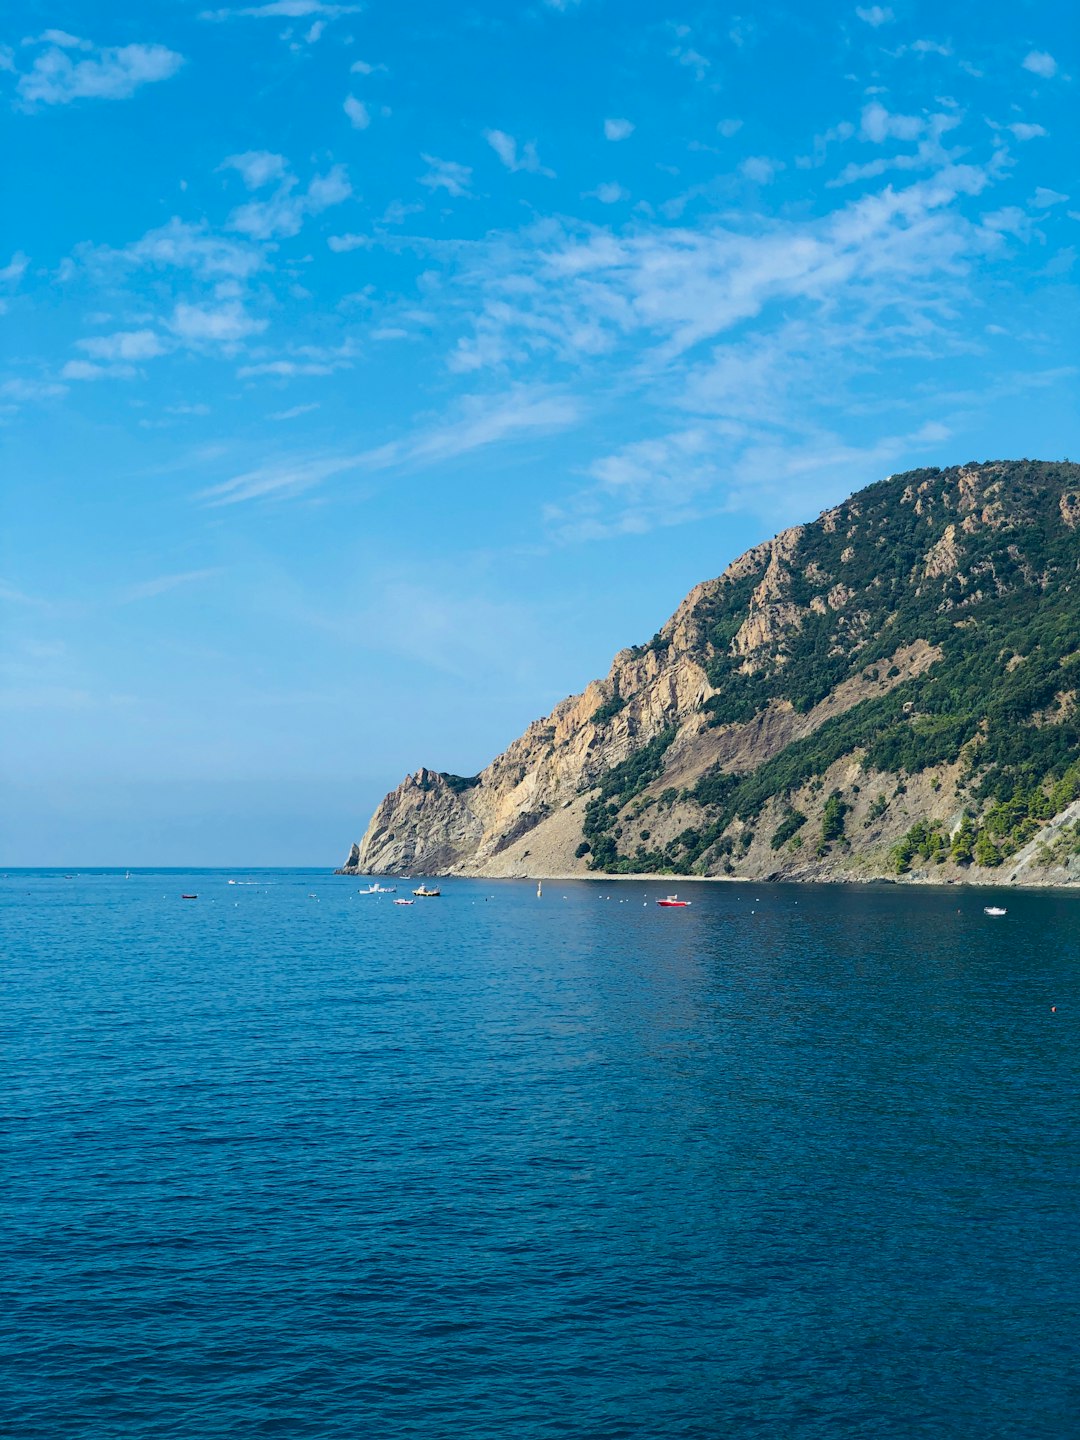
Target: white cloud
20 388
342 244
728 128
760 169
111 73
878 125
572 296
688 57
618 129
124 345
1026 132
875 15
931 47
283 213
257 167
162 584
480 423
446 175
88 370
1039 62
294 412
223 323
183 246
1043 198
609 192
15 269
357 111
282 10
506 147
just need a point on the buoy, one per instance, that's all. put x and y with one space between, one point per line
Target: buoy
1053 1009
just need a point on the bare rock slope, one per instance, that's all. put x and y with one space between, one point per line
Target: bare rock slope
889 690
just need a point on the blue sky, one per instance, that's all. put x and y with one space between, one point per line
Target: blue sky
372 373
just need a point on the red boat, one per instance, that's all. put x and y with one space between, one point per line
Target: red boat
189 897
673 901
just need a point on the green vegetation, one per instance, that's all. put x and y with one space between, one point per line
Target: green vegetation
832 818
608 710
1002 606
792 822
924 839
616 788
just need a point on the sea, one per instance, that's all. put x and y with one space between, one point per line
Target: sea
292 1160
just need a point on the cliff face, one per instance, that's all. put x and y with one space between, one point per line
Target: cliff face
889 690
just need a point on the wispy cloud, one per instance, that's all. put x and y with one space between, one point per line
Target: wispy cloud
281 10
446 175
257 168
617 129
481 422
358 113
284 212
57 77
181 245
515 159
223 323
162 584
90 370
124 345
608 192
294 411
15 269
1024 131
875 15
1041 63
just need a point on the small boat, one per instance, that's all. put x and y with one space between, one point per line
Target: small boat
539 889
425 893
404 902
673 902
994 910
189 897
378 889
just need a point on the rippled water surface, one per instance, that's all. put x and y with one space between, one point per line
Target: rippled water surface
289 1160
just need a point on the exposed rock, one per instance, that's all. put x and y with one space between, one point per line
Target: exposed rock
527 812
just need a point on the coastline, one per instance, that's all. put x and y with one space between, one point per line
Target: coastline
914 878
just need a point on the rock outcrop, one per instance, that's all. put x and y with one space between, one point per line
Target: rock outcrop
837 704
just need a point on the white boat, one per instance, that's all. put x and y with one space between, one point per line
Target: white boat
378 889
404 902
994 910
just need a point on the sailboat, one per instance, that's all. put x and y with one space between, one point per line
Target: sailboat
539 889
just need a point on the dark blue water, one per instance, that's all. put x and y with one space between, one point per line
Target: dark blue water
796 1162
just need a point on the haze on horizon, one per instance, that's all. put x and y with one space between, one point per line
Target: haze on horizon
371 378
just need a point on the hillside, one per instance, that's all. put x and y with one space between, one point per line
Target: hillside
890 690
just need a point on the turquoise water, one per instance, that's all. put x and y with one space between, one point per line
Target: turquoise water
291 1161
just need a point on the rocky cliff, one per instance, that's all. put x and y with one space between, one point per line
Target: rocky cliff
890 690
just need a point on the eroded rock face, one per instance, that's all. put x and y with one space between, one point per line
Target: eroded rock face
524 813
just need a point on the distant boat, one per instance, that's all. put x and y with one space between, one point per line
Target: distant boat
994 910
673 901
404 902
189 897
425 893
539 889
378 889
